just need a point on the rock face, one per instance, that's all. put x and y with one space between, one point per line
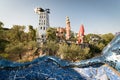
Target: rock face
52 68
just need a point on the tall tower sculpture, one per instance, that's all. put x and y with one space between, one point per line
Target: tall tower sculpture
67 28
43 24
81 34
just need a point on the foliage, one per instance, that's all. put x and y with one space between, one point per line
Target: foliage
31 33
1 25
93 38
3 44
87 37
16 41
16 33
50 47
72 37
101 46
73 52
51 33
107 38
4 55
31 45
102 41
1 30
15 49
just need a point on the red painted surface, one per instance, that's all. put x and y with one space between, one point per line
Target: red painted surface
81 31
81 34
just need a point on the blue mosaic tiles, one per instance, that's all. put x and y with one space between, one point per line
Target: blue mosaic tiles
44 68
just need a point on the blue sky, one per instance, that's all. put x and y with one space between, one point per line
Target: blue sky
97 16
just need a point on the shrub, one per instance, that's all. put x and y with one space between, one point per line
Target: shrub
73 52
4 55
50 47
96 48
31 45
15 49
3 44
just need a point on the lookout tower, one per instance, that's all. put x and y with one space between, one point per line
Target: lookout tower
43 24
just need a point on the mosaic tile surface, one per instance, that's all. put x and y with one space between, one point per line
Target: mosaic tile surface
44 68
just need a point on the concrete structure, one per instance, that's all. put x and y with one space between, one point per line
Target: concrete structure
43 24
67 28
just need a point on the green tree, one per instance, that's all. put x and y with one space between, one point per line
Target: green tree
72 37
107 38
31 33
51 33
16 33
50 47
3 44
1 25
73 52
15 49
87 37
103 40
31 45
3 38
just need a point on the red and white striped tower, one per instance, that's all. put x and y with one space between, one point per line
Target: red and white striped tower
67 28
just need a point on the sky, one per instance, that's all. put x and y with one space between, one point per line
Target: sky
97 16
